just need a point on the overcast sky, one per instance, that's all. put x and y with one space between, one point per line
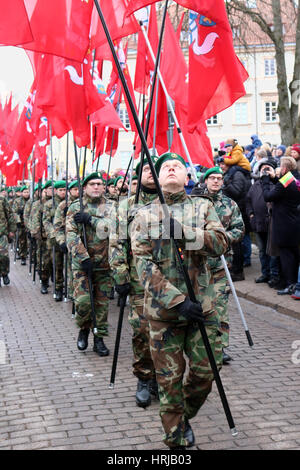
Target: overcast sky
16 74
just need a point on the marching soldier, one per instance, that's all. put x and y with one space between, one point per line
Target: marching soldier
60 227
50 207
127 282
90 263
18 208
173 317
231 218
111 192
7 229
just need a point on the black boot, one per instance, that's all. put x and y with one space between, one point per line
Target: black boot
82 341
188 433
6 280
153 387
44 288
112 294
99 347
237 276
58 295
23 261
226 357
143 396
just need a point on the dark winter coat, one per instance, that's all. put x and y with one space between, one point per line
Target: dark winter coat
237 183
256 205
285 216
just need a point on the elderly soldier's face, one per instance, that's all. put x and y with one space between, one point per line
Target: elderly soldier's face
172 176
94 188
147 178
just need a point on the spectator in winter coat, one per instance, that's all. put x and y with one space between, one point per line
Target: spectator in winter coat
285 196
256 142
295 153
280 152
258 213
249 152
235 155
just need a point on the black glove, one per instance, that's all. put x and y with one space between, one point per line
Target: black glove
63 248
19 225
20 212
87 266
192 311
82 218
65 210
123 289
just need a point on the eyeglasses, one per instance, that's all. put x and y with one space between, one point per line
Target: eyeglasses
215 178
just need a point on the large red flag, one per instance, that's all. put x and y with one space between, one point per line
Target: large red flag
14 25
59 27
214 9
216 76
118 25
39 159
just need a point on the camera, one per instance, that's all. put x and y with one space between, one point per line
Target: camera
265 171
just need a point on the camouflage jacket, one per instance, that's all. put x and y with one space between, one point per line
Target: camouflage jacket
48 216
156 260
18 209
96 233
231 218
36 218
27 211
120 253
7 218
59 222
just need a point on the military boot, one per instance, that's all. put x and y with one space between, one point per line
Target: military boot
99 347
82 341
44 288
58 295
143 396
23 261
6 280
153 387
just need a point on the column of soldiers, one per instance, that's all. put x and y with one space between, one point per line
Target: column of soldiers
110 241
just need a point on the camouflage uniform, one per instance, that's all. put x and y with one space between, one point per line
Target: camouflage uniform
37 231
124 271
59 225
7 225
97 251
18 209
48 218
170 334
231 218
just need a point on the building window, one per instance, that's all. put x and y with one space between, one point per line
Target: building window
212 121
251 4
271 111
124 117
270 67
241 113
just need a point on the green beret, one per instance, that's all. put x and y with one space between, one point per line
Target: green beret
168 156
23 188
154 159
9 190
47 184
215 169
135 177
111 182
117 179
96 175
73 184
60 184
36 188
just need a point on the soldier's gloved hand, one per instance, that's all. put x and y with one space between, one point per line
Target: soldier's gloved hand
192 311
19 225
65 210
63 248
87 266
123 289
82 218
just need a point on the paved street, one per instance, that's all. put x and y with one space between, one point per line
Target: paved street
54 397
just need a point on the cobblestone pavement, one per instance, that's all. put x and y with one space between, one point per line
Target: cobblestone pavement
54 397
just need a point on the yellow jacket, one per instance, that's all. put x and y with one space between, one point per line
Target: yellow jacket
236 157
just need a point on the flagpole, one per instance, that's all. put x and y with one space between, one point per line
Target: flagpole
112 140
155 116
53 205
170 105
67 183
183 268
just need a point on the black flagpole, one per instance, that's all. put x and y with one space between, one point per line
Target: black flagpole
167 215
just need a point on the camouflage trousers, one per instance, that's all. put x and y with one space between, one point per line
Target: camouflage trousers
170 342
59 265
101 283
143 367
220 303
4 256
23 244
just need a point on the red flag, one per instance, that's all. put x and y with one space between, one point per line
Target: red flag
178 31
215 74
59 27
118 25
14 26
214 9
40 150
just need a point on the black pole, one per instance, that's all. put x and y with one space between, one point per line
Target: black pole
157 60
167 215
53 206
95 330
67 183
117 342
